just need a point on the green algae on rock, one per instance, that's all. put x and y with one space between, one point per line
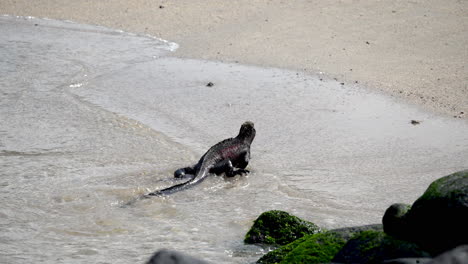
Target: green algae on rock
376 247
317 248
348 232
279 228
277 255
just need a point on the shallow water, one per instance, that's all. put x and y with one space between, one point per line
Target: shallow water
92 118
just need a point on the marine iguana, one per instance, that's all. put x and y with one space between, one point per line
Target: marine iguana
221 158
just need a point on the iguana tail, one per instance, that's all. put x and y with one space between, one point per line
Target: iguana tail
201 175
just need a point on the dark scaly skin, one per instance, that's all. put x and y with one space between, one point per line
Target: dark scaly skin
221 158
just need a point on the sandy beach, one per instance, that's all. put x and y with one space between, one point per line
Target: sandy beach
416 51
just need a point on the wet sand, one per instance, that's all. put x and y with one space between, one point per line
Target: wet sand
415 51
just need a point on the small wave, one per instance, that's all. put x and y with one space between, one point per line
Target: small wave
168 45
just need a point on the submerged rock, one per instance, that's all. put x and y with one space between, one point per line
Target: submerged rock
279 228
165 256
376 247
437 221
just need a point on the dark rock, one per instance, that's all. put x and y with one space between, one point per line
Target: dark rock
458 255
394 219
210 84
278 228
318 248
437 221
376 247
165 256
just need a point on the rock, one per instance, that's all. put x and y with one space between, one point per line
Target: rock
408 261
278 254
278 228
376 247
318 248
165 256
458 255
394 219
437 221
347 232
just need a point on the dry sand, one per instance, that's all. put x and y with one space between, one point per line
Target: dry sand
415 50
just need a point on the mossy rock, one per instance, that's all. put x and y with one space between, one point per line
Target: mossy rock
437 220
375 247
348 232
453 187
279 228
318 248
278 254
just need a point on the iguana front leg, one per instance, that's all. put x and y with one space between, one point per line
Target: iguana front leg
227 167
242 160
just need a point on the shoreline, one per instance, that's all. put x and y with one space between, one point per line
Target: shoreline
411 51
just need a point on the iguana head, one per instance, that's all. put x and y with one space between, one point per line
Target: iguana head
247 131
